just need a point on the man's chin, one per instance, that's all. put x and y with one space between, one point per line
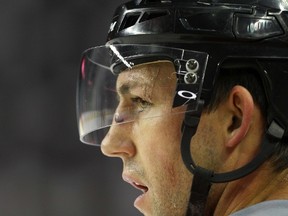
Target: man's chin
142 203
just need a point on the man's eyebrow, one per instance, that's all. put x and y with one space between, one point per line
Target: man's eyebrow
123 89
127 86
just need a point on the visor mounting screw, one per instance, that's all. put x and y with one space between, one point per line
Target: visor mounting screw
192 65
190 78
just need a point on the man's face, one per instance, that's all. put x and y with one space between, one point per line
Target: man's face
149 142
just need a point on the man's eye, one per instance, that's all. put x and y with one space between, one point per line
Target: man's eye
142 104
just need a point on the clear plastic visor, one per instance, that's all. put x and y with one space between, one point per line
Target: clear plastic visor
120 84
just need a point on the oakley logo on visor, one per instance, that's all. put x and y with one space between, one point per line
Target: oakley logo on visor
187 95
183 96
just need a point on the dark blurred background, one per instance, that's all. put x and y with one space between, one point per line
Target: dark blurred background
44 169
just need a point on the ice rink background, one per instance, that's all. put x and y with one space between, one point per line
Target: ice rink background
44 169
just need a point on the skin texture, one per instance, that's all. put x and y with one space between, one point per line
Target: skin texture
150 148
148 142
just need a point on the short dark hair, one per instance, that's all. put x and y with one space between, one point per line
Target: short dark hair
250 79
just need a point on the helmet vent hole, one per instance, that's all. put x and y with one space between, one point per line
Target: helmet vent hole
129 20
152 15
155 1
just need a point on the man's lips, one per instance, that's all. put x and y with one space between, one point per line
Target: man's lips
142 201
143 188
135 183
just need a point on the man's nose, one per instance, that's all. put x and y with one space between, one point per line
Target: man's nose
117 142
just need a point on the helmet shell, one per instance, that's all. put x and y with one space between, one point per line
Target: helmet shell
244 32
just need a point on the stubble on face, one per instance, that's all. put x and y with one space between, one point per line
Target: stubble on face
158 162
173 200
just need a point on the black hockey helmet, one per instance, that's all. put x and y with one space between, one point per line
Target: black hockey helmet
200 37
244 31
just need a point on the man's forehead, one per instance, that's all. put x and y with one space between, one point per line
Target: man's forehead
146 74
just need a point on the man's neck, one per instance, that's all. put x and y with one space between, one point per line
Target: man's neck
262 185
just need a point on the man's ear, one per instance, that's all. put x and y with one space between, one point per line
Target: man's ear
241 106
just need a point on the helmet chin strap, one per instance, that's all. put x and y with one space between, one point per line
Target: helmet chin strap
203 178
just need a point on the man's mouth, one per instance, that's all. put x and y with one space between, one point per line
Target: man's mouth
135 183
141 202
138 186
